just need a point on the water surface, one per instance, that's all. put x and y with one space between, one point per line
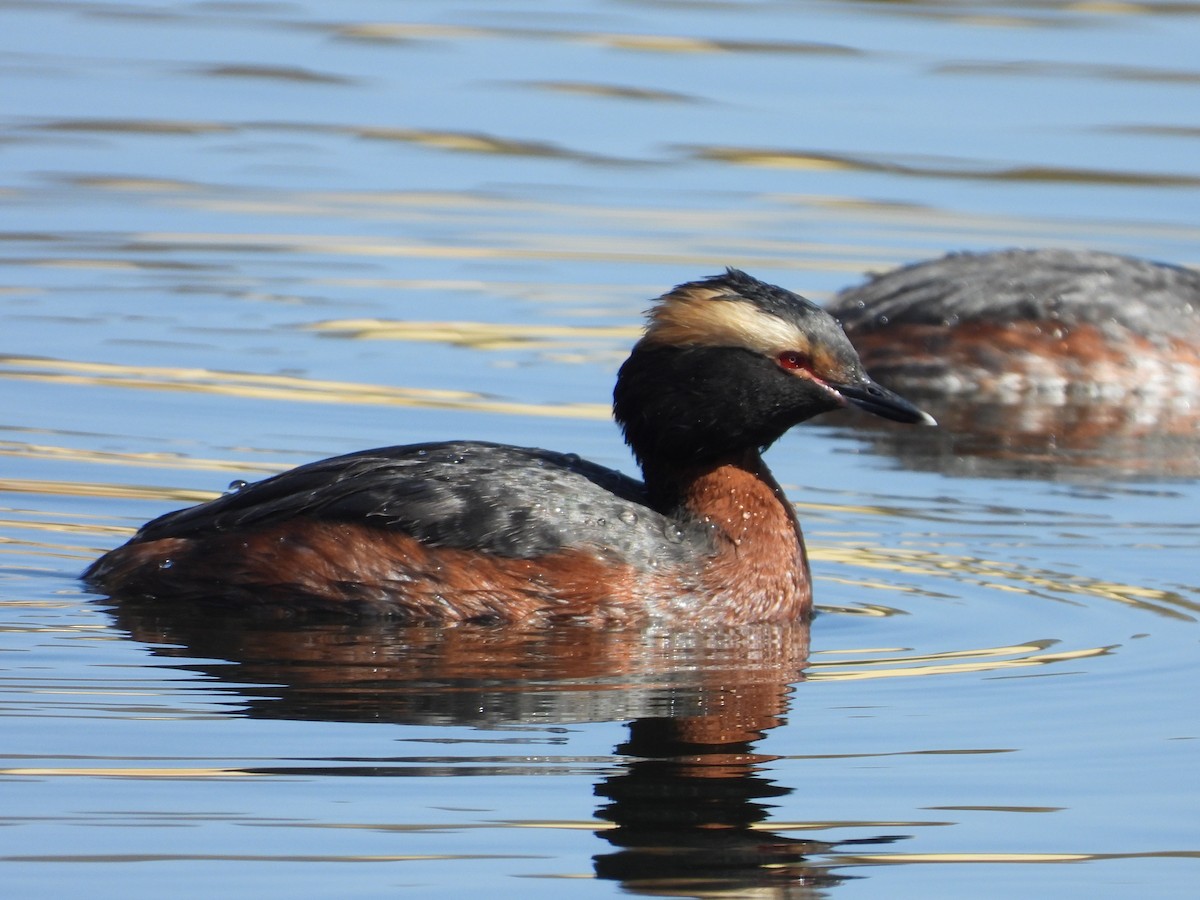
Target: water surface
237 237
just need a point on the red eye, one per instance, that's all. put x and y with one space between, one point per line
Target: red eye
792 360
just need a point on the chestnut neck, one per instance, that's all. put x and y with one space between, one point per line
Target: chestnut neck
760 562
721 491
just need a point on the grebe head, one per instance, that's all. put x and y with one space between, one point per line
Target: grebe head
730 363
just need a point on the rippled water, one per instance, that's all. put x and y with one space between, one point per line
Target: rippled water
239 236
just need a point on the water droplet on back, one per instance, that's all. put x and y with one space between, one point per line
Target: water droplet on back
236 485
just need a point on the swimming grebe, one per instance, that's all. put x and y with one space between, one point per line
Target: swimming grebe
469 531
1006 325
1037 363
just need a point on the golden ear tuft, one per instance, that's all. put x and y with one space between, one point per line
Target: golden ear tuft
701 315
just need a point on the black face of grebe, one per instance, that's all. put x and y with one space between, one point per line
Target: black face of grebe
730 363
468 531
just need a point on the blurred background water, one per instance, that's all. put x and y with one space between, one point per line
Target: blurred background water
237 236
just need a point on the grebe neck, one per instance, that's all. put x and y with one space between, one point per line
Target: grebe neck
733 492
760 562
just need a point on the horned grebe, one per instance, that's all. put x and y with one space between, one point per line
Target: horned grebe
1075 324
469 531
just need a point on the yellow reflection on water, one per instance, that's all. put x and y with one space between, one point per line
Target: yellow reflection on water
1022 858
1005 577
1033 653
652 43
627 233
477 335
100 489
780 158
129 772
621 92
274 387
470 142
20 450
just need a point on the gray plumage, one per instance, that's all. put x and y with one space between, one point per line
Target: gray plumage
1112 292
509 501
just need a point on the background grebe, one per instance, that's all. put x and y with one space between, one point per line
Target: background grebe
1037 363
1069 323
474 531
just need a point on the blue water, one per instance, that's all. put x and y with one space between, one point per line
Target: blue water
225 231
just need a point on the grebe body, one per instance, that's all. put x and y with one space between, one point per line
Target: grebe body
1016 323
470 531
